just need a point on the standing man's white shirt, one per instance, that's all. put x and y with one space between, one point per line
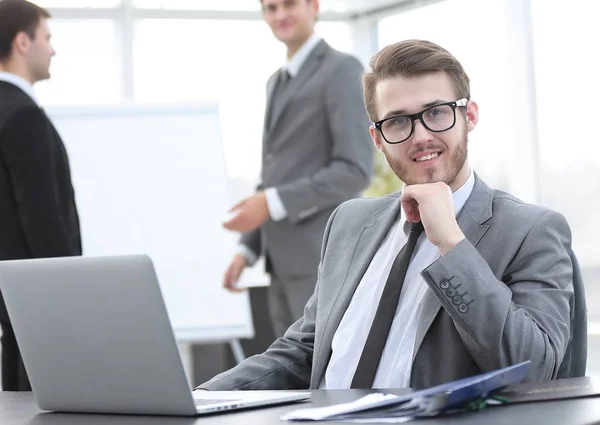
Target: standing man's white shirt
349 339
20 82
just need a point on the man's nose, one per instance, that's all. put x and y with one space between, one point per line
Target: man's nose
420 133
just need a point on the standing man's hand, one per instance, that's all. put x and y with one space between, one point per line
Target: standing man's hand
233 272
432 204
252 212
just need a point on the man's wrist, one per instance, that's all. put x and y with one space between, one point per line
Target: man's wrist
247 253
446 246
276 208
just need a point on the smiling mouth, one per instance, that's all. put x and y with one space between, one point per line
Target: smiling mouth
428 157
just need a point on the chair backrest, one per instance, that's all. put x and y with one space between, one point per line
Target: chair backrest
575 360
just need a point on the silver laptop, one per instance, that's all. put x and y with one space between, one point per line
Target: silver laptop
95 337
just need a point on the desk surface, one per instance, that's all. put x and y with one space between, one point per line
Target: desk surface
20 409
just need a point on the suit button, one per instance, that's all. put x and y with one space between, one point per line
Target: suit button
269 157
463 308
456 300
451 292
444 284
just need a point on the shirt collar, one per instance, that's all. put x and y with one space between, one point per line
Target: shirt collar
294 63
459 197
20 82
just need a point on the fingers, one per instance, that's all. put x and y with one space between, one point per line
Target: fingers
233 273
410 206
233 224
230 279
227 279
236 206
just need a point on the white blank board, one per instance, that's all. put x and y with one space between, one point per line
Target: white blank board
151 179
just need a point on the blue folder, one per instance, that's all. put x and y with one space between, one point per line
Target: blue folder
452 395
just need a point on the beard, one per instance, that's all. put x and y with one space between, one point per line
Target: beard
457 159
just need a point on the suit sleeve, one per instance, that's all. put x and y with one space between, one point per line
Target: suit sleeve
252 242
27 151
351 165
287 364
524 316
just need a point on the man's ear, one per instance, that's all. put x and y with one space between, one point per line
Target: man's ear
21 43
316 6
472 115
376 136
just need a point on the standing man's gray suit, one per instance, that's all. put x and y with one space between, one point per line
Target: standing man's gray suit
503 295
317 153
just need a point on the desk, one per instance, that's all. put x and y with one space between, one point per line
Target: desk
20 409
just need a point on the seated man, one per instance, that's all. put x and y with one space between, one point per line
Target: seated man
487 284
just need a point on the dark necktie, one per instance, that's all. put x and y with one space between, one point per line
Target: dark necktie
283 80
371 355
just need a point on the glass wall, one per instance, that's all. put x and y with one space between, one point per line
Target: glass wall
566 57
86 68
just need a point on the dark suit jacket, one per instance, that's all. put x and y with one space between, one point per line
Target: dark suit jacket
38 216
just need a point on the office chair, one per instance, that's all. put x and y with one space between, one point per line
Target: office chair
575 360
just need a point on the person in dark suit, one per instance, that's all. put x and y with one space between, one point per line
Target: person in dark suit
38 215
316 154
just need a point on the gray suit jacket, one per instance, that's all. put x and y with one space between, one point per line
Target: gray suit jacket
317 152
499 297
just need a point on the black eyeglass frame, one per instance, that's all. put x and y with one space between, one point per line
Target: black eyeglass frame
419 116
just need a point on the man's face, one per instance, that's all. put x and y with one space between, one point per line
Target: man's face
426 157
39 52
292 21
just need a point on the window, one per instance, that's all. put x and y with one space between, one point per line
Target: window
226 61
246 5
566 57
85 68
193 60
337 35
77 3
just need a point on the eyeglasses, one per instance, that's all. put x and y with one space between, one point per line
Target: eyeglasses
437 119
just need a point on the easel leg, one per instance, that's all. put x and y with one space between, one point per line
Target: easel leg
237 350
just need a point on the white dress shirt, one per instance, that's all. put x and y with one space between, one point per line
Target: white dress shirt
350 337
21 83
276 208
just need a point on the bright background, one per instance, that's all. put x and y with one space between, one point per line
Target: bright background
531 64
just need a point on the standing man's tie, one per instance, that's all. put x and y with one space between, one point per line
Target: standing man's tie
283 81
371 355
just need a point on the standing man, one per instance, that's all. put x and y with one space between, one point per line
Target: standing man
316 154
443 281
38 217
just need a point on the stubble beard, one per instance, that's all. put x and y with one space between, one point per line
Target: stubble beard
458 158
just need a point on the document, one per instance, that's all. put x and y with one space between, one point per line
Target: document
390 408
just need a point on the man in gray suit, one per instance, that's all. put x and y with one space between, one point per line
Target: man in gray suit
316 154
488 284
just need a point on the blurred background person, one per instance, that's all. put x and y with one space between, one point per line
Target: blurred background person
38 216
316 154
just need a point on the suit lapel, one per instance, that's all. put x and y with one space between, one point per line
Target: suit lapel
307 70
366 246
476 211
